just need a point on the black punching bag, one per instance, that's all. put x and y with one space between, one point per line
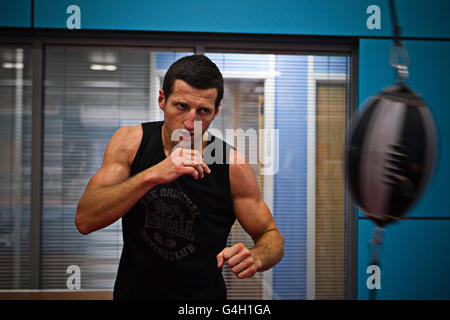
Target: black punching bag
391 153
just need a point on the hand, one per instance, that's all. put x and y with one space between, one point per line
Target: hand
240 259
181 161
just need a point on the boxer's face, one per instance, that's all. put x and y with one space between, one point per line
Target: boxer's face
186 105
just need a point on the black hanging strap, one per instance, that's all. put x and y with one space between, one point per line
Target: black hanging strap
397 28
375 246
399 58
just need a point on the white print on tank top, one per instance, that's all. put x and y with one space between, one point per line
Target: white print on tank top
169 223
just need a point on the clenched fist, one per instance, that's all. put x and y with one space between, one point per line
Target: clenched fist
240 259
180 162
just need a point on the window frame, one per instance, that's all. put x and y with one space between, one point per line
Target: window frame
199 43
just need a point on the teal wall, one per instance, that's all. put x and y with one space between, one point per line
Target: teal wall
419 18
15 13
415 261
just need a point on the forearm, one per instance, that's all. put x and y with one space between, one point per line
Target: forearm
100 207
268 249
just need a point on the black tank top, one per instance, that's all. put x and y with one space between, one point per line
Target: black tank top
172 235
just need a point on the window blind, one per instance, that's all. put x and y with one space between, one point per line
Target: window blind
330 191
89 94
15 164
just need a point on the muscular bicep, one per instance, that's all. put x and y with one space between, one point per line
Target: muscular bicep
117 159
109 175
250 209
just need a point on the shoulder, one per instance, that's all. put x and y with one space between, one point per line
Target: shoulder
237 160
242 177
128 133
125 142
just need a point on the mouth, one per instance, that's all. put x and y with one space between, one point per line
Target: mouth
187 138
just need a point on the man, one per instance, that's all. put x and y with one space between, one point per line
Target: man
177 209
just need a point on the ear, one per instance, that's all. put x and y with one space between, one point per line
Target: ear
161 99
217 110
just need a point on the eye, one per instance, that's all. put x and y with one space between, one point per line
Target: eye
181 106
204 111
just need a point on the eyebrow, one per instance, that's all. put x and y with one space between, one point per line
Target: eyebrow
176 101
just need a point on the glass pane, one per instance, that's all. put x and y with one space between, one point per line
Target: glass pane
304 98
89 94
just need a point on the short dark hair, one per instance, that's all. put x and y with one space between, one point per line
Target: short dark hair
196 70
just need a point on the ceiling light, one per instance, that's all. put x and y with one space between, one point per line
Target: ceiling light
103 67
12 65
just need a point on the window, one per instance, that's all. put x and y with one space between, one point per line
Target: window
296 105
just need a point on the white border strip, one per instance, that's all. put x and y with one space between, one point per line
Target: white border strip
269 123
311 184
155 113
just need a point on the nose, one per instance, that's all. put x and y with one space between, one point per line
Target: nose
190 119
